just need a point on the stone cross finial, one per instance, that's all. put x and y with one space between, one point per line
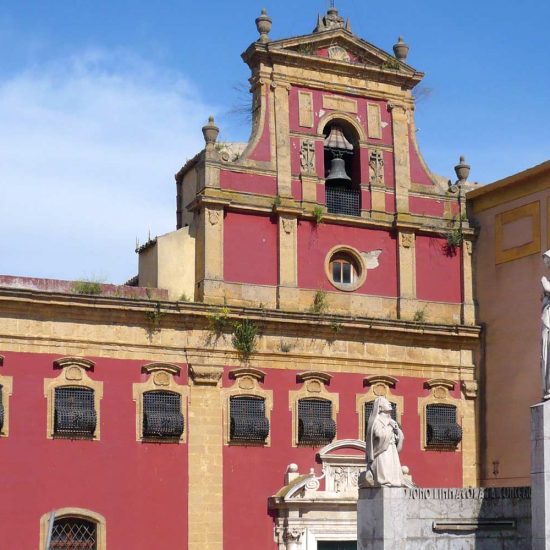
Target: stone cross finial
332 20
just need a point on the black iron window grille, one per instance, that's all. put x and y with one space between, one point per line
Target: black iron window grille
442 430
74 413
369 405
1 408
248 422
162 416
315 423
342 200
73 534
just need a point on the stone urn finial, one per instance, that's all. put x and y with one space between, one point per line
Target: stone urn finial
462 170
210 131
401 49
263 24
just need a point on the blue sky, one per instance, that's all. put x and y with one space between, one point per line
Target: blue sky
101 103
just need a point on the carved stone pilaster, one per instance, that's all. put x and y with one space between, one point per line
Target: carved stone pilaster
205 375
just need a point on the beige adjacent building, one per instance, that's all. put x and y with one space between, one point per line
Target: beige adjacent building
513 215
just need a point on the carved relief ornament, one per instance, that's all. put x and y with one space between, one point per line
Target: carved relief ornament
287 225
376 167
213 217
307 156
407 239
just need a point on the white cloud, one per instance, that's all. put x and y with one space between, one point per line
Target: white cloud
88 149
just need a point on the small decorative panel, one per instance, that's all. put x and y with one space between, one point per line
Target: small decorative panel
305 106
247 419
315 423
517 233
442 430
162 416
374 124
74 413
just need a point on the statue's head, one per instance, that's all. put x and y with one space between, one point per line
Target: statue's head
384 405
546 258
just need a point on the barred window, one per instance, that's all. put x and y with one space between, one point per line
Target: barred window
75 415
369 405
315 423
73 534
442 430
162 416
1 408
248 422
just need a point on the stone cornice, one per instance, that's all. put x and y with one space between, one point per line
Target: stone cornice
63 307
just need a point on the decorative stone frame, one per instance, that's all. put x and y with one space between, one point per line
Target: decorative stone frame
161 378
314 387
379 386
346 117
247 384
73 375
357 258
439 395
81 513
6 382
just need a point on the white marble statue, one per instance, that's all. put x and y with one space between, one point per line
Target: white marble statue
545 332
384 443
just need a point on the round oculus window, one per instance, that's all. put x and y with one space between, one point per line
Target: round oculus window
345 268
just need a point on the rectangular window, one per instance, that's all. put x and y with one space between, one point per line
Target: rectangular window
346 272
248 420
75 415
162 416
442 430
315 423
337 272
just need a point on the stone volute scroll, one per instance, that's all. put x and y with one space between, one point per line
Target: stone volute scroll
384 442
545 331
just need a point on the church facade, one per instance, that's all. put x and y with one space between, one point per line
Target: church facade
221 400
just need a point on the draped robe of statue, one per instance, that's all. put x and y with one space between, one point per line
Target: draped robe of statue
545 332
384 442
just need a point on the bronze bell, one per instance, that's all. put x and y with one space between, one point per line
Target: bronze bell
337 170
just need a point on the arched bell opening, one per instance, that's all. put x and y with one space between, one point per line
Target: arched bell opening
342 169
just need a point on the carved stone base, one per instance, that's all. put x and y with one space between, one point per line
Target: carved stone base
540 475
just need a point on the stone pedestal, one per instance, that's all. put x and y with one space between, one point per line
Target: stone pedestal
381 519
540 476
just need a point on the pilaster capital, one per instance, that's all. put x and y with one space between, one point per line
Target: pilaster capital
469 388
205 375
281 84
